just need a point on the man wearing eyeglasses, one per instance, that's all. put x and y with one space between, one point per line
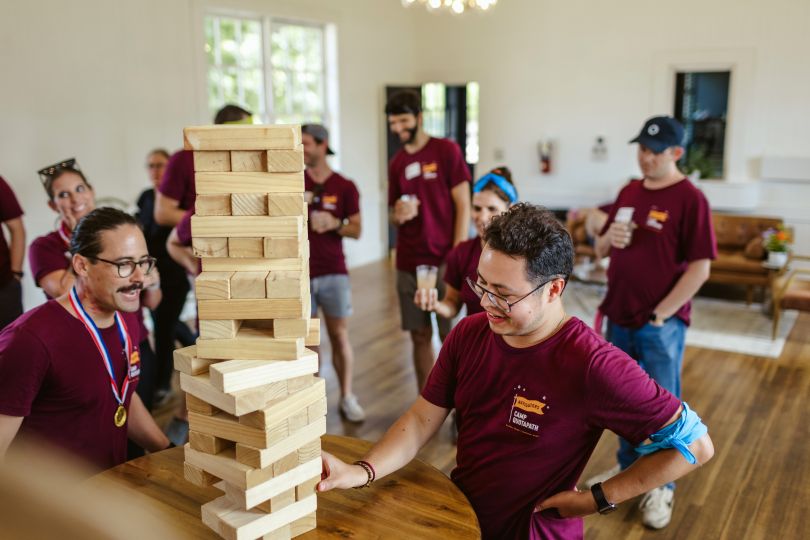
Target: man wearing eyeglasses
69 368
533 391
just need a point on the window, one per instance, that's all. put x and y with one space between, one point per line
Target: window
452 111
701 105
282 79
433 109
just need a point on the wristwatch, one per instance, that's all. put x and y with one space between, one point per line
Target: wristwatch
654 318
602 503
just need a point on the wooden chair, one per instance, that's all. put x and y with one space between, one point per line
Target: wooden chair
791 293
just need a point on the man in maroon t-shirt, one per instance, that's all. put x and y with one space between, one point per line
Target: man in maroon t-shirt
533 390
660 240
429 200
11 256
334 213
69 368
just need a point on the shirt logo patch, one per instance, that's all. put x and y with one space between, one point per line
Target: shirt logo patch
430 171
525 413
657 218
329 202
134 364
413 170
653 130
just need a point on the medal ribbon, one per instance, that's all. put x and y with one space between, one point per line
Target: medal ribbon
92 329
64 233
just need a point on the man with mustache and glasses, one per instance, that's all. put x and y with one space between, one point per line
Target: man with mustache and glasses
69 368
429 202
533 390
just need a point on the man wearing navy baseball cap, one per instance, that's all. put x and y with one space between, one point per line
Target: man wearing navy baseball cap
660 239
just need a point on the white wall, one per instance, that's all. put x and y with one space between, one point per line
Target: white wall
107 80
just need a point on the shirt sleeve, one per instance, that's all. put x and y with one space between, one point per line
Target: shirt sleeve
393 182
623 398
9 206
24 363
457 170
352 198
175 181
440 388
184 229
46 256
697 232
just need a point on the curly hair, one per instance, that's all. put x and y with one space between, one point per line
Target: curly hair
533 233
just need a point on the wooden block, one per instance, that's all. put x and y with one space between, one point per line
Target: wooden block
265 457
245 226
217 204
248 182
235 375
303 525
195 404
297 384
242 309
225 426
246 247
235 403
307 488
248 284
219 329
197 476
251 344
186 361
316 410
213 285
278 485
226 264
292 328
297 421
285 284
286 464
286 204
280 409
209 444
282 533
249 204
249 161
274 504
285 160
282 248
309 451
313 338
210 247
242 137
224 466
212 161
232 523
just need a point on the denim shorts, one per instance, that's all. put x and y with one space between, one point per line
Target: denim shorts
333 293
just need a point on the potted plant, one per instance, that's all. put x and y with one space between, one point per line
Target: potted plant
777 242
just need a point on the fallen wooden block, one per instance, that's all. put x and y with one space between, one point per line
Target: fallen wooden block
242 309
235 375
213 285
218 204
235 524
219 329
242 137
209 247
206 443
208 183
251 344
228 264
225 426
250 204
212 161
262 458
205 227
197 476
235 403
195 404
286 204
249 160
186 361
285 160
281 408
248 284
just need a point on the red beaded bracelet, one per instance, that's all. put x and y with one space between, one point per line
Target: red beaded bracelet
372 474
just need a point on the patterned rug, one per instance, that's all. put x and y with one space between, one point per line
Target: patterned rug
716 324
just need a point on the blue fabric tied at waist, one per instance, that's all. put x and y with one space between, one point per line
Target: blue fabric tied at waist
679 435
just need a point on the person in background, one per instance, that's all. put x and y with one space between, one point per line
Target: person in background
12 254
334 214
493 194
429 203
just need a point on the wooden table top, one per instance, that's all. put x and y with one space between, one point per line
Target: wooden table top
418 501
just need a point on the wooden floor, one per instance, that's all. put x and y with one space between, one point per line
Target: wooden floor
757 410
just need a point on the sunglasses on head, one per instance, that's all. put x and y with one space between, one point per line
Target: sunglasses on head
47 173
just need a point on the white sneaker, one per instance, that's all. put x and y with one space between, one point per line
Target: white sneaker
656 507
601 477
351 409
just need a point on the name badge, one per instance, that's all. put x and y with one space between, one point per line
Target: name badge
413 170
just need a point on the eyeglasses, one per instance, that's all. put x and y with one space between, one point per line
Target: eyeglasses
48 172
499 301
127 268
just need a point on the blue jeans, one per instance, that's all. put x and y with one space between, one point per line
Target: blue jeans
659 351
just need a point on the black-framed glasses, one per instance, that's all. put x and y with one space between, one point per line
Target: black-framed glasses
48 172
499 301
127 268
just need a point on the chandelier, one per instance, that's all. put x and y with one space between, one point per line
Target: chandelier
454 6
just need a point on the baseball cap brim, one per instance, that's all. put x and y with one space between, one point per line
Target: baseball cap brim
653 144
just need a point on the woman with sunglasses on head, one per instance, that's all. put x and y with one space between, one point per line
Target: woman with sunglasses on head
72 197
493 194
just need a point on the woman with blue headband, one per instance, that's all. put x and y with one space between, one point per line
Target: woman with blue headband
493 194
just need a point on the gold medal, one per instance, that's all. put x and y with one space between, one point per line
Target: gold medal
120 416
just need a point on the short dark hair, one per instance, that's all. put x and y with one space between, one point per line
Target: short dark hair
533 233
404 102
86 237
231 113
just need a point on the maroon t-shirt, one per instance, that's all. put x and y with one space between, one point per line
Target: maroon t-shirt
9 209
178 179
530 418
674 228
462 262
430 174
52 374
338 196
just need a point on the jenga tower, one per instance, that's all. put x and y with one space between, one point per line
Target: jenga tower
256 410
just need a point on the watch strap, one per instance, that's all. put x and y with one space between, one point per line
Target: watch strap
602 504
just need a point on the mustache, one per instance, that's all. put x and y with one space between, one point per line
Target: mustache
134 287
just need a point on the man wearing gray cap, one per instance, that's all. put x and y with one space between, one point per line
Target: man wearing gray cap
334 212
660 239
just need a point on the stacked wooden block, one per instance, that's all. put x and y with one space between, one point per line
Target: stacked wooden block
256 409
